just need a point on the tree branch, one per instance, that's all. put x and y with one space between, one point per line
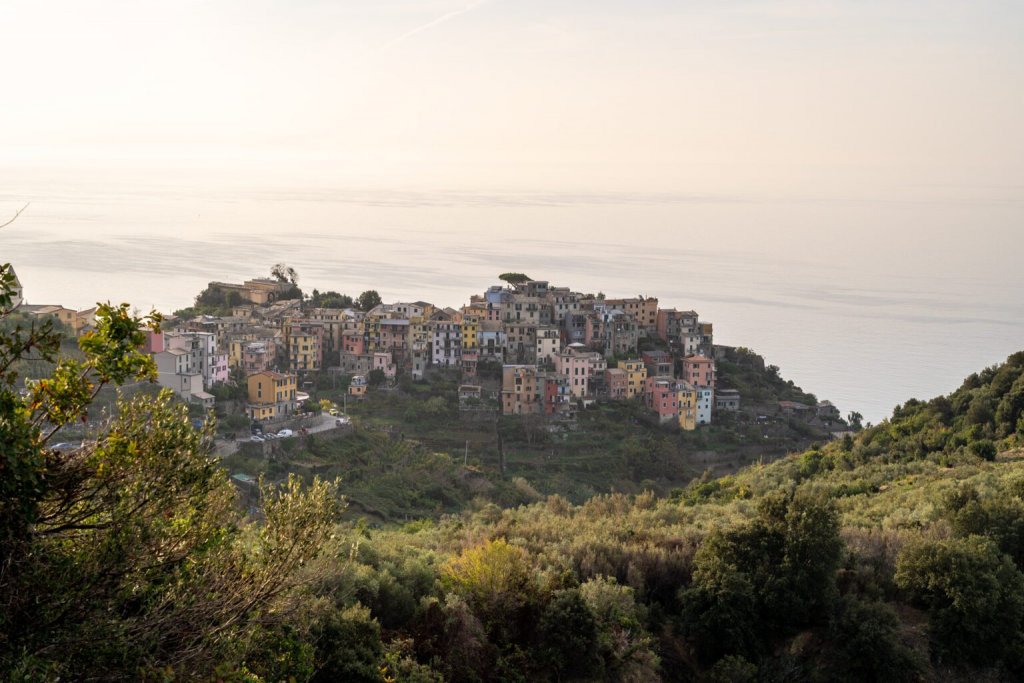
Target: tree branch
14 217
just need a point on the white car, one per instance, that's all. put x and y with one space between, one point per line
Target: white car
285 433
255 438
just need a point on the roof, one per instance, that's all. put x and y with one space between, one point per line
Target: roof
270 373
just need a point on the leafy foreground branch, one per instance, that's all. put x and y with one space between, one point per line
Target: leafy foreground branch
128 557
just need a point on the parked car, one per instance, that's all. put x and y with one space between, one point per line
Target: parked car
285 433
255 438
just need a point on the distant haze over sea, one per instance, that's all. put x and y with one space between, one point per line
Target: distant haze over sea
864 296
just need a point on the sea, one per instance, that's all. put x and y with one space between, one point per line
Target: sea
866 298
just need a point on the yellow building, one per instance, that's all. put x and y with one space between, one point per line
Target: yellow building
372 326
636 374
305 346
470 332
271 395
687 397
235 352
420 333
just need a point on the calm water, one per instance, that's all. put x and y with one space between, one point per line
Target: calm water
865 298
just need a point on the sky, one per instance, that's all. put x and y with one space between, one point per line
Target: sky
860 98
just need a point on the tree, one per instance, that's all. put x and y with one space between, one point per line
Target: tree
868 647
496 580
368 300
855 420
330 299
284 273
127 554
974 595
515 278
567 635
771 576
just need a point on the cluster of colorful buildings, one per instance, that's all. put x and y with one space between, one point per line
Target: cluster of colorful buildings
557 349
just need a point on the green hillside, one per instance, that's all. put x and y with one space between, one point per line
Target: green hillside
413 454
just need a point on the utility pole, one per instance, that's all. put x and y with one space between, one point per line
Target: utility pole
465 456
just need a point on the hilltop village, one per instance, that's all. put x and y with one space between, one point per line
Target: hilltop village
521 348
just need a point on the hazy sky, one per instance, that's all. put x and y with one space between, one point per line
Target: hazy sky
898 96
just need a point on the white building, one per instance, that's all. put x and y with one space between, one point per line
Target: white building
446 344
705 402
549 341
203 359
174 372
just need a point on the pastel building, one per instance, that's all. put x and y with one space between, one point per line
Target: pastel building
353 342
470 332
202 356
257 356
382 361
636 374
616 383
699 371
358 386
394 337
553 390
687 398
661 396
519 390
578 365
549 341
446 344
305 344
175 372
492 344
644 310
705 404
272 395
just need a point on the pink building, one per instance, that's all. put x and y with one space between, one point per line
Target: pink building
154 342
382 362
257 357
394 336
699 371
578 366
661 396
617 382
354 343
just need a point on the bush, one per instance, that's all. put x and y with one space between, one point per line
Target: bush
867 644
984 449
974 595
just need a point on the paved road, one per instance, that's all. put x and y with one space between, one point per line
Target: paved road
320 423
